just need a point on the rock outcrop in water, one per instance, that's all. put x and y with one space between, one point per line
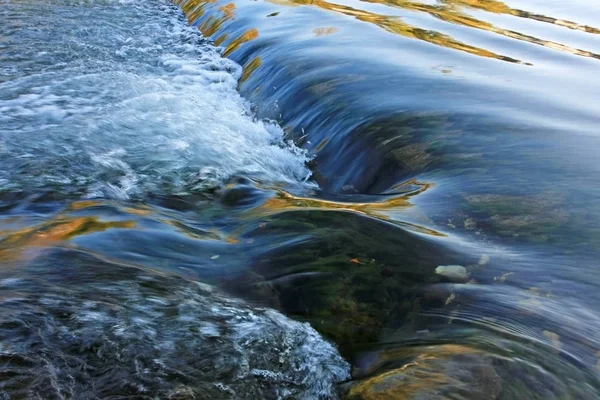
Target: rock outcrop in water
90 329
439 372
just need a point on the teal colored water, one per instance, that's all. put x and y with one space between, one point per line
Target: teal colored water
291 199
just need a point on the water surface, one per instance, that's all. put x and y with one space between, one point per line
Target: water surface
169 183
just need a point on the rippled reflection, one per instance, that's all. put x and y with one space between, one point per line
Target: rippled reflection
448 11
456 16
287 201
195 9
14 243
499 7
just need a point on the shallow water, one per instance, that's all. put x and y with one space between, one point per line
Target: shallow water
167 184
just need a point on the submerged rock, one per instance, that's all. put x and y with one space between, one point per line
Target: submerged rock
454 273
534 217
96 330
439 372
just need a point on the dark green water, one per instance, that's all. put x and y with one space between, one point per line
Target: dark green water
253 199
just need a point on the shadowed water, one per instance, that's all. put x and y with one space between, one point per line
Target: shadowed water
153 219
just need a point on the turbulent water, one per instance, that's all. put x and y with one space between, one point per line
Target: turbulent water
122 101
135 102
365 199
96 330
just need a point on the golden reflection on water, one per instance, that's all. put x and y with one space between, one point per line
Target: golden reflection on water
450 11
285 201
498 7
395 25
196 9
60 229
235 44
250 67
228 10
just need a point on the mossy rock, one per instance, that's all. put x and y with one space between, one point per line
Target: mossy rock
350 276
439 372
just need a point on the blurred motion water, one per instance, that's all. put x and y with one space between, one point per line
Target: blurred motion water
417 180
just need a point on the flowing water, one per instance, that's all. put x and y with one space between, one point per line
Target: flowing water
366 199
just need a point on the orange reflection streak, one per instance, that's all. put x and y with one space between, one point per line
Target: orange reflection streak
448 11
139 210
250 67
455 16
195 9
228 10
195 15
321 145
498 7
203 234
235 44
80 205
397 26
285 201
211 25
61 229
221 39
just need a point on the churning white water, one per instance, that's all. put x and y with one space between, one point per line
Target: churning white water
118 99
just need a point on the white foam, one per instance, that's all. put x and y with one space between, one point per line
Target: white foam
145 105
